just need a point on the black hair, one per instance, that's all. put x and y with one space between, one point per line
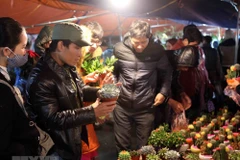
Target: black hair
10 31
53 45
96 29
207 39
192 34
140 28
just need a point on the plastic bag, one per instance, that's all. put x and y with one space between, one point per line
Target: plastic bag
179 121
232 94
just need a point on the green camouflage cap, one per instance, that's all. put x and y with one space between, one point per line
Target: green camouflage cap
79 35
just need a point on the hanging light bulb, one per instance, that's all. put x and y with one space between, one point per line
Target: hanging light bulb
120 3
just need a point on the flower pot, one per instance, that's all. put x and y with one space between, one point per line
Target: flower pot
144 157
135 157
205 157
184 148
109 99
189 141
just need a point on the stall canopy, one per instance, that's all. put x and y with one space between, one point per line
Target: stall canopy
31 13
221 13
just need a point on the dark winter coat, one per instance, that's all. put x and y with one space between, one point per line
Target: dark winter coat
139 73
184 57
57 105
17 137
44 36
212 63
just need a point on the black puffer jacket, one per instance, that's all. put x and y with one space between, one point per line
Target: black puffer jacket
44 36
139 72
53 99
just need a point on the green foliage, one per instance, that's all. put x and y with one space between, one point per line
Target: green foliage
161 138
192 156
92 65
134 153
110 61
95 64
235 155
162 151
152 157
233 71
124 155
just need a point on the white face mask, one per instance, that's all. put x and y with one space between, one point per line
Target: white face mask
17 60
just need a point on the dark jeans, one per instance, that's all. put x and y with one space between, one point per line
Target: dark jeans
124 120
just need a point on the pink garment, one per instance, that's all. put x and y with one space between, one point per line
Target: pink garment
89 156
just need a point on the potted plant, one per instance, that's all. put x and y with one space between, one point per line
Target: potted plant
191 156
152 157
221 152
234 155
135 155
172 155
109 92
124 155
145 150
160 138
96 64
161 152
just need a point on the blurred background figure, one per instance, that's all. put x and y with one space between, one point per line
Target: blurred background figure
89 151
226 49
214 68
18 138
170 43
43 40
23 72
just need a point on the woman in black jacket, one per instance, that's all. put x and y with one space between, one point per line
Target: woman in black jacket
17 136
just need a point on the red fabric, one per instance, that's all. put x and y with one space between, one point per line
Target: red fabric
32 54
188 81
92 138
177 45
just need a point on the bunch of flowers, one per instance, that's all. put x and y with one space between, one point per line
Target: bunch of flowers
214 138
233 72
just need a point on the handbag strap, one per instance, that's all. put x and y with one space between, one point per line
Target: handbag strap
17 95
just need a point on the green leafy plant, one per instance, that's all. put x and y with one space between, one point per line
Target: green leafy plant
152 157
161 138
162 151
134 153
192 156
124 155
233 71
96 64
92 65
234 155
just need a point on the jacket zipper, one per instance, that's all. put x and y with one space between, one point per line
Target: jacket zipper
134 80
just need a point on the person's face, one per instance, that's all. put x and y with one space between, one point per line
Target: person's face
70 55
47 44
140 43
168 46
95 44
20 48
185 42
